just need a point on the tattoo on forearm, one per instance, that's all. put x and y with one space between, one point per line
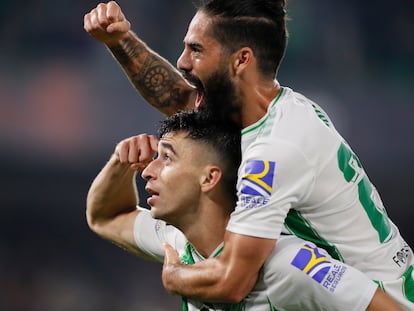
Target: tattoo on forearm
157 82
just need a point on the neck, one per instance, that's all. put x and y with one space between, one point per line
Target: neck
256 98
205 230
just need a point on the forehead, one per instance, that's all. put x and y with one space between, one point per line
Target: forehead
178 141
173 137
198 30
183 147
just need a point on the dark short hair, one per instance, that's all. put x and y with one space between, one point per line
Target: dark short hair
258 24
223 141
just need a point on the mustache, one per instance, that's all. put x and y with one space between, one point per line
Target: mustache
192 79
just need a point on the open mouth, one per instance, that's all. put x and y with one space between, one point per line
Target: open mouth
196 83
199 99
153 195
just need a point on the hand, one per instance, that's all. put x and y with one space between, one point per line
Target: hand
171 261
106 23
138 150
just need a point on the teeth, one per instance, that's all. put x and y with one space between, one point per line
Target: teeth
199 99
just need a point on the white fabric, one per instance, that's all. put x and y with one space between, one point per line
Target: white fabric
298 175
284 283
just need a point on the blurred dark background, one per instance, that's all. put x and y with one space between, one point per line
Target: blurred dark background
65 103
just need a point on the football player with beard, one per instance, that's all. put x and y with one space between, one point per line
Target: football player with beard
297 176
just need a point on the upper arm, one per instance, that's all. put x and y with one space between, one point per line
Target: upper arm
271 180
120 231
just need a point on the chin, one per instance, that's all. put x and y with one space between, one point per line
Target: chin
154 213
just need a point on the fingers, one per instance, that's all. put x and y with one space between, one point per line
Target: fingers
108 13
144 149
137 150
119 27
105 20
116 19
154 143
171 262
171 255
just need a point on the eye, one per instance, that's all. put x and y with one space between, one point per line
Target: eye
165 156
195 48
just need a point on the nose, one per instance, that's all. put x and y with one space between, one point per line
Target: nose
150 171
183 62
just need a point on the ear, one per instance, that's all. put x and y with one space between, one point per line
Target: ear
242 59
210 178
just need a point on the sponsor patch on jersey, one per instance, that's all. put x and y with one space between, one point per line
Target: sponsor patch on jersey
157 225
257 179
319 267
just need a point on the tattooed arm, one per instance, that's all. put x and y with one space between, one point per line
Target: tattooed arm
155 78
159 82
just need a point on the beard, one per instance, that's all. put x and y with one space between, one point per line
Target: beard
221 101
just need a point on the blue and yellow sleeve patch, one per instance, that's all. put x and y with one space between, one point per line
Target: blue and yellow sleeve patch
319 267
257 179
312 262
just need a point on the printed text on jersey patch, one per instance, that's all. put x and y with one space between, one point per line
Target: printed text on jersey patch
257 183
318 267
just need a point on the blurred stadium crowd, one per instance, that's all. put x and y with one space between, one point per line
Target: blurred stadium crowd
65 103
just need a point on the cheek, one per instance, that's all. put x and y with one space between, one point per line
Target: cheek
201 68
175 179
184 189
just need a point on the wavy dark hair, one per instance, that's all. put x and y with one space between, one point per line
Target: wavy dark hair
258 24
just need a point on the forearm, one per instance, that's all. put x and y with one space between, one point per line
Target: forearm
155 78
208 281
227 278
113 192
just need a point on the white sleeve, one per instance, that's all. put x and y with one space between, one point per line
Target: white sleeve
297 266
274 175
150 234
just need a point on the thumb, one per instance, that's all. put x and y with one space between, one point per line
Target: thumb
171 256
119 27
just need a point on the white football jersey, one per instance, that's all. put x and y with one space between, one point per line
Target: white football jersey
295 266
299 176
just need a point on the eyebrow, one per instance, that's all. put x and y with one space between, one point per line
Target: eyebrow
168 146
194 45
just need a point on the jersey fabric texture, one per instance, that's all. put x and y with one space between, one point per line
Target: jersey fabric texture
299 176
296 276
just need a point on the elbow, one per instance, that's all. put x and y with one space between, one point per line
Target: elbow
233 297
92 218
92 222
96 225
233 292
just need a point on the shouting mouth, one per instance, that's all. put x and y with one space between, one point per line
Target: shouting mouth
199 99
196 83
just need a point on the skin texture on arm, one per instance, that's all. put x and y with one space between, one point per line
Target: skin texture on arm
226 278
112 199
383 302
232 275
160 83
156 79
